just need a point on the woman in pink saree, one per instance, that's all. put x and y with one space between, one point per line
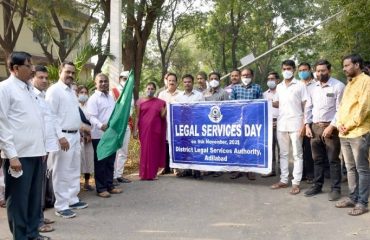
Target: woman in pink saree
151 128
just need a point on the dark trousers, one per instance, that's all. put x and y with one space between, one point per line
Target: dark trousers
322 149
103 170
23 197
43 191
167 168
275 146
308 165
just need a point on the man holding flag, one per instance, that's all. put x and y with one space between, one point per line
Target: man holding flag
100 107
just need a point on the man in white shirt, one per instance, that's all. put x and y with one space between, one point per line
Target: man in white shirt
99 108
22 144
306 76
272 81
122 153
187 96
66 163
40 84
291 97
168 95
323 102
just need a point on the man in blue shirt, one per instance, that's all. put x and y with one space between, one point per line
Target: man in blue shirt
246 90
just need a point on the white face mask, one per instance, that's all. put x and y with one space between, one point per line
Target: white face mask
271 84
214 83
150 93
246 81
287 74
82 98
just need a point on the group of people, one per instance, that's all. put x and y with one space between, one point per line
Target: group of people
317 119
53 130
58 128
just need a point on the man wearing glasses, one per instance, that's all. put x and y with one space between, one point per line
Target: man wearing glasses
22 144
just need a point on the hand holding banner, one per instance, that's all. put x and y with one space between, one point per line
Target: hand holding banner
221 136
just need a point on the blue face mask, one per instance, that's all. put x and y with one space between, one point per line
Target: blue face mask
304 75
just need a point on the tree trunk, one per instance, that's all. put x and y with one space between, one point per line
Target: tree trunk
137 35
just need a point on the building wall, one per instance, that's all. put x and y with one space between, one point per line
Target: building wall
27 43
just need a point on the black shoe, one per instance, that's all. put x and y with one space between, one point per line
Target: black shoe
115 182
271 174
217 174
123 180
251 176
198 177
312 191
236 175
334 195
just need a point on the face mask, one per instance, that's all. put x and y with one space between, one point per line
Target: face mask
214 83
304 75
149 93
82 98
246 81
287 74
271 84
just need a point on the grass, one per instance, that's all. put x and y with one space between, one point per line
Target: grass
133 159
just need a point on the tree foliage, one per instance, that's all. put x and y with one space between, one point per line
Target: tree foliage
140 19
347 34
176 22
61 28
236 28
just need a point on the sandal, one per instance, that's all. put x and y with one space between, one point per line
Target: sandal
358 210
295 189
345 203
279 185
46 228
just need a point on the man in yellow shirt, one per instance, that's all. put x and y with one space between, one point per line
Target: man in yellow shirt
353 122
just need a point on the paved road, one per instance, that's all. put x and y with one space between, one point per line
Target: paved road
212 209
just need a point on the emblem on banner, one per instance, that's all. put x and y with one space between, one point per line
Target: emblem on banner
215 114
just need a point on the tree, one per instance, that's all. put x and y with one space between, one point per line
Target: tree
12 28
53 30
82 58
237 28
101 30
140 20
347 34
177 20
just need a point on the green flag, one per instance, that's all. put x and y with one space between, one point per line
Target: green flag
112 138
